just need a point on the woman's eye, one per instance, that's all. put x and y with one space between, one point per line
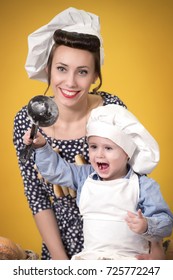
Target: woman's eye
83 72
61 69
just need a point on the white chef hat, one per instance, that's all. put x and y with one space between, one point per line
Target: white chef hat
119 125
41 41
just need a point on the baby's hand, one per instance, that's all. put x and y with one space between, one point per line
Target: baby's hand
137 223
38 142
26 138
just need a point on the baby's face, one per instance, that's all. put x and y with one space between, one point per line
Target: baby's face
107 158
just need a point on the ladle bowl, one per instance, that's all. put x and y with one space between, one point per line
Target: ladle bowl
43 112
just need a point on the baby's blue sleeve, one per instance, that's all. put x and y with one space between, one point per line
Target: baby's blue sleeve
155 209
58 171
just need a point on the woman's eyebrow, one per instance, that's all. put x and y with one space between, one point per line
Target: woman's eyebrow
83 66
78 67
61 63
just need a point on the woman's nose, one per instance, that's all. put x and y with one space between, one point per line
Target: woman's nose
71 80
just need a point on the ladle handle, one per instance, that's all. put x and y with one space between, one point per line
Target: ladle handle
27 151
34 129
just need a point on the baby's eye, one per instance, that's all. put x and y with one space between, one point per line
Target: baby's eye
108 148
92 147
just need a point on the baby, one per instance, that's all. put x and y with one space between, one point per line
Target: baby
122 208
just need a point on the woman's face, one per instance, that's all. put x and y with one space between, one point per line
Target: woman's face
108 159
72 73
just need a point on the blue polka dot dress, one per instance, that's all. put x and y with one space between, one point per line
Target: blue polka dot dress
40 194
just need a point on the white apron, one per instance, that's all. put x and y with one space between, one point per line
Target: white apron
104 205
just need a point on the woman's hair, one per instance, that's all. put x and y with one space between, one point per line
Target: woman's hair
76 40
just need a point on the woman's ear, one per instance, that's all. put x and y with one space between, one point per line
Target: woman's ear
46 69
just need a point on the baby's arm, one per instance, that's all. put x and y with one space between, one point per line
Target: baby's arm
155 210
137 222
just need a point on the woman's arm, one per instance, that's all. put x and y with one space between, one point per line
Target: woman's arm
37 192
48 228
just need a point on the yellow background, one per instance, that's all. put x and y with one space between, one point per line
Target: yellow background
138 42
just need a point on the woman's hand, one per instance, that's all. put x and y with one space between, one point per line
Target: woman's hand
157 252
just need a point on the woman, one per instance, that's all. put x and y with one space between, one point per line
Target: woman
67 53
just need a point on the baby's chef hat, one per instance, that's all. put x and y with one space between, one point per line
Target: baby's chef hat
119 125
41 41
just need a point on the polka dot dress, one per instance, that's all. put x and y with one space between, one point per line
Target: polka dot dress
40 195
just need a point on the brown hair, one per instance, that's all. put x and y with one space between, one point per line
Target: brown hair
76 40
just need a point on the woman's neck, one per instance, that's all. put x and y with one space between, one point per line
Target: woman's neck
73 114
71 123
80 110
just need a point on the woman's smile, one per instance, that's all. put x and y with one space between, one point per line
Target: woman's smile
69 93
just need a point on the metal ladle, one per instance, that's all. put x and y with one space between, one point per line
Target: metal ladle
42 111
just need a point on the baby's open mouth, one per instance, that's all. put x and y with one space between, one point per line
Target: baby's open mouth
102 165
